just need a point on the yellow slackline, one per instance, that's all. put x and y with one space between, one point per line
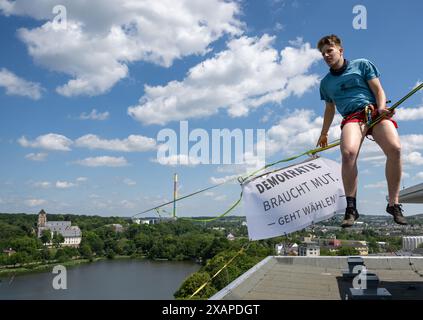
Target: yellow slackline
218 217
219 271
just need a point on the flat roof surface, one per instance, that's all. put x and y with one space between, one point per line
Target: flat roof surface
412 194
320 278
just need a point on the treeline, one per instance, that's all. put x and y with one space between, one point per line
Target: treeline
172 240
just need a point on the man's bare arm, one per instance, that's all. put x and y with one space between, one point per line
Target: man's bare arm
327 121
380 96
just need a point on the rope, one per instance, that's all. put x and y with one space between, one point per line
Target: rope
220 270
218 217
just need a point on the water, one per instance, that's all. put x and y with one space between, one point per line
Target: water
109 279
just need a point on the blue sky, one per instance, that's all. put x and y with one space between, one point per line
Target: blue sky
81 105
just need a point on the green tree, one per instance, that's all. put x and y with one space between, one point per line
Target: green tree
347 251
58 239
373 246
194 282
45 236
19 258
61 255
46 254
86 251
94 241
326 252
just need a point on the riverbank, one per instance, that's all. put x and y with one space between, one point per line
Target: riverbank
38 268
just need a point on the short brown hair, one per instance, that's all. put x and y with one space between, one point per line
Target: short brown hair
329 40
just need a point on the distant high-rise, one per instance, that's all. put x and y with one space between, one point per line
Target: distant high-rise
410 243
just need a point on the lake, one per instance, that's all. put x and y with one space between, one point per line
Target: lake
107 279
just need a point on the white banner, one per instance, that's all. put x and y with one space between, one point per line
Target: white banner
293 198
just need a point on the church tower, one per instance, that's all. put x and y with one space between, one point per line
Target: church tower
42 219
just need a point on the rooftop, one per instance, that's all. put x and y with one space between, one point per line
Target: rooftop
320 278
412 194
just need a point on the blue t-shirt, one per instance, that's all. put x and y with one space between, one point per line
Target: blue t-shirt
350 91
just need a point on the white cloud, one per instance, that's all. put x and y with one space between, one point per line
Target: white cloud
247 75
127 204
267 116
59 184
412 142
297 42
53 141
220 198
35 202
103 161
19 87
64 184
49 141
42 184
278 27
219 180
409 114
94 115
103 37
297 132
131 144
378 159
36 156
177 160
419 175
413 158
380 184
129 182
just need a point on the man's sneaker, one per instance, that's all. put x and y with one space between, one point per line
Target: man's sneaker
396 210
351 214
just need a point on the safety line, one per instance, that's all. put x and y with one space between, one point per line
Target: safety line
220 270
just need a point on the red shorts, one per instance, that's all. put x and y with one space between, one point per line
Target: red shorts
361 117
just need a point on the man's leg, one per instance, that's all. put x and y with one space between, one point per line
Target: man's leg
386 136
351 139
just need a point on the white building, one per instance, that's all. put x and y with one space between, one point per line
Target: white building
71 234
149 220
117 227
411 242
279 248
230 237
136 220
309 250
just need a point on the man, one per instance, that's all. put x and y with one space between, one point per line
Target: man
354 89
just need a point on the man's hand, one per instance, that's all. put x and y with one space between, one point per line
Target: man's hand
323 140
385 112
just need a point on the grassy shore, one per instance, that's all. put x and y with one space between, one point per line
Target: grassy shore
48 267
